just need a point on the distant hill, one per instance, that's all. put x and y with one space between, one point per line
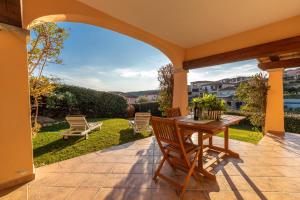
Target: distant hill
142 93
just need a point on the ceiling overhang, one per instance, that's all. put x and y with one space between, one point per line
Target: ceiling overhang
285 47
283 60
10 12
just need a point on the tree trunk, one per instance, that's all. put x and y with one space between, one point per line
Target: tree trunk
35 125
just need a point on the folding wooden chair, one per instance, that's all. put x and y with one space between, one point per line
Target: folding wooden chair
178 153
173 112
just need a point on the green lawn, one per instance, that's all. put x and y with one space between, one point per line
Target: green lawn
244 133
49 147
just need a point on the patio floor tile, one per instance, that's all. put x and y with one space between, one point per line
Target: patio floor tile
268 170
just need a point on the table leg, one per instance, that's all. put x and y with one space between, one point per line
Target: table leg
210 141
226 138
226 145
200 157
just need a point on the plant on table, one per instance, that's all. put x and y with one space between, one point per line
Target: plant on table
211 104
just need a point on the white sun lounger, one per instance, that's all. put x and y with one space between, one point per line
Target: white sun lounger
79 126
141 122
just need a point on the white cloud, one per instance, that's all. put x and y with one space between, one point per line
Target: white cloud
101 72
133 73
214 73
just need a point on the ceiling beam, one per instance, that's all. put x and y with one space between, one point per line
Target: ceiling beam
10 12
294 62
262 50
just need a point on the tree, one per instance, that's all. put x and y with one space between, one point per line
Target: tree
39 86
166 85
142 99
253 94
45 47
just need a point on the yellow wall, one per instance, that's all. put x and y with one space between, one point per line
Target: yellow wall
180 93
15 139
74 11
275 107
276 31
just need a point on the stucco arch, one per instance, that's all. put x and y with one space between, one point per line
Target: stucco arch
74 11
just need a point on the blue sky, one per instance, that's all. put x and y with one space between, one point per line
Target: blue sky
108 61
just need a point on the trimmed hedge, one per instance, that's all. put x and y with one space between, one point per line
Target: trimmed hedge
85 101
291 121
152 107
292 124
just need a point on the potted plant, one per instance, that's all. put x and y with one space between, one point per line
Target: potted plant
211 107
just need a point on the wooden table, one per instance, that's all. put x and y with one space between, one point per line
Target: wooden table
207 130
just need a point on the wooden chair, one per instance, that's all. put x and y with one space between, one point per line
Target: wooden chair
178 153
79 126
141 122
173 112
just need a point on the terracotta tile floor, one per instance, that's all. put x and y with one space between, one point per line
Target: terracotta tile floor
269 170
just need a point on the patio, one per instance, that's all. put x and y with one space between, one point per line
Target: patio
269 170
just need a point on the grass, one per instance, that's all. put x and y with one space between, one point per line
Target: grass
49 147
244 133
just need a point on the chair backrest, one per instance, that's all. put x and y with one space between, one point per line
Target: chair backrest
165 131
142 120
173 112
77 122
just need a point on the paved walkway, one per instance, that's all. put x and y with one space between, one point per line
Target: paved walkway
269 170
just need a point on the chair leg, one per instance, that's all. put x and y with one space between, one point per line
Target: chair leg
188 176
159 168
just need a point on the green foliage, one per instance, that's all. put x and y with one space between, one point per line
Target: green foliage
292 96
65 101
49 147
85 101
39 86
46 43
292 123
210 102
152 107
45 46
166 85
254 93
143 93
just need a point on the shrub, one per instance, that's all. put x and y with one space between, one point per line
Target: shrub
210 102
245 122
292 123
152 107
254 95
76 100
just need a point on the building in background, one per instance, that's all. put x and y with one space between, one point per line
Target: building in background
224 89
